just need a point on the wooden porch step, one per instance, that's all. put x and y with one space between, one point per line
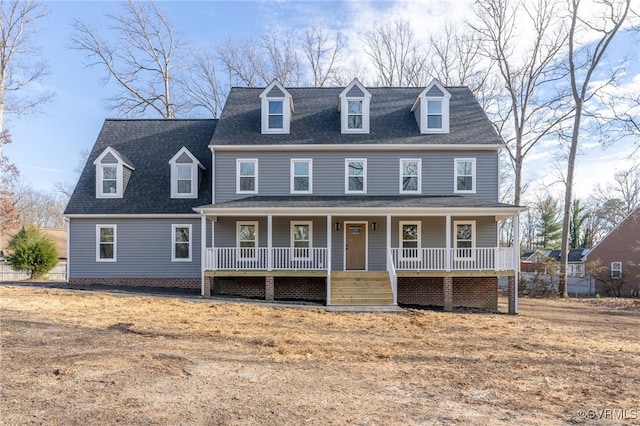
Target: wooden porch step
361 288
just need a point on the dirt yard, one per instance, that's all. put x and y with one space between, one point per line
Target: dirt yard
79 358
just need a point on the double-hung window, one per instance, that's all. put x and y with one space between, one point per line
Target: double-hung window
106 244
181 250
410 176
301 238
465 175
109 179
434 115
301 171
276 115
247 176
184 182
616 269
354 115
356 176
409 240
247 239
464 239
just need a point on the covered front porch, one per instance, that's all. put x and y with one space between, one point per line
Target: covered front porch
343 244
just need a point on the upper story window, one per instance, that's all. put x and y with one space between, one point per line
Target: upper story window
354 105
106 244
431 109
181 249
301 176
410 176
464 239
355 176
113 171
616 269
276 109
185 174
465 175
247 176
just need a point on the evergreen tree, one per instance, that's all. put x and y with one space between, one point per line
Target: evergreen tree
32 250
549 225
578 217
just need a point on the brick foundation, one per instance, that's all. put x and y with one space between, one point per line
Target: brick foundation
188 283
311 289
269 288
511 292
239 286
467 292
447 289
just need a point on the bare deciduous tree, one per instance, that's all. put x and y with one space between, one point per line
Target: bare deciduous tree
397 56
201 84
322 52
527 70
142 61
343 75
40 208
583 63
21 63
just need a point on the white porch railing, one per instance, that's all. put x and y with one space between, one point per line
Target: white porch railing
442 259
285 258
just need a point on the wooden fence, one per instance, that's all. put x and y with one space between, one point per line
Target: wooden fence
7 273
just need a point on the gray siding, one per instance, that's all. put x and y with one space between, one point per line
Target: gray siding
433 230
143 249
184 159
109 159
383 172
355 92
376 246
434 91
126 172
225 232
275 92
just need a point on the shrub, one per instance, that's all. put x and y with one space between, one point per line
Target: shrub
32 250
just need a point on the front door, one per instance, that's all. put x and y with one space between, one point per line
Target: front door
356 246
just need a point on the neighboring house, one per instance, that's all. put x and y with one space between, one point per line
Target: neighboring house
349 195
619 251
576 260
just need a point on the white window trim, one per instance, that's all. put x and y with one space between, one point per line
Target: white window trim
255 170
346 175
100 180
344 108
455 237
301 160
292 245
406 160
442 115
287 109
238 225
421 106
616 267
194 165
115 242
174 242
455 176
401 239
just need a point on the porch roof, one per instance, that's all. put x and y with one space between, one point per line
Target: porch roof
358 204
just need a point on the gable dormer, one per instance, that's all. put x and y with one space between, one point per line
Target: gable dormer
276 107
185 174
354 108
113 171
431 109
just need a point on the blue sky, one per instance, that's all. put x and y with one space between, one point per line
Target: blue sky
46 147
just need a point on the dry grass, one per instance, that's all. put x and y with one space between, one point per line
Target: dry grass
93 358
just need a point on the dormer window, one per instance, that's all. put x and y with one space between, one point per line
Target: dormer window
276 107
431 109
113 171
185 174
354 108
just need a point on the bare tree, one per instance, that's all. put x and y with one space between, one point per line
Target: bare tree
397 56
583 63
39 208
527 68
622 195
343 75
282 59
201 83
322 52
21 63
141 60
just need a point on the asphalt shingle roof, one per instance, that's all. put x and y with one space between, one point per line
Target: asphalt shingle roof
149 145
316 119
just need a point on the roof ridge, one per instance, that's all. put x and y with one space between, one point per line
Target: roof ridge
161 119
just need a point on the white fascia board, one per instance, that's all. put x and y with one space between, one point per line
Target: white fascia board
352 147
380 211
132 216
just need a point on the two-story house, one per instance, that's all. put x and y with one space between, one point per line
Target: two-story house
349 195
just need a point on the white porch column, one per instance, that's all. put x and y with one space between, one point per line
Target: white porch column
203 251
447 254
329 240
388 242
516 260
269 242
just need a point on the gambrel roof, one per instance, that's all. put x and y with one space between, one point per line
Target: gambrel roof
316 120
148 144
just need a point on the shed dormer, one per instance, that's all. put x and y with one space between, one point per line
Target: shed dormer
113 171
276 107
354 108
431 109
185 174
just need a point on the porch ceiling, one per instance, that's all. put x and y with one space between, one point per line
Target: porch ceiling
360 204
